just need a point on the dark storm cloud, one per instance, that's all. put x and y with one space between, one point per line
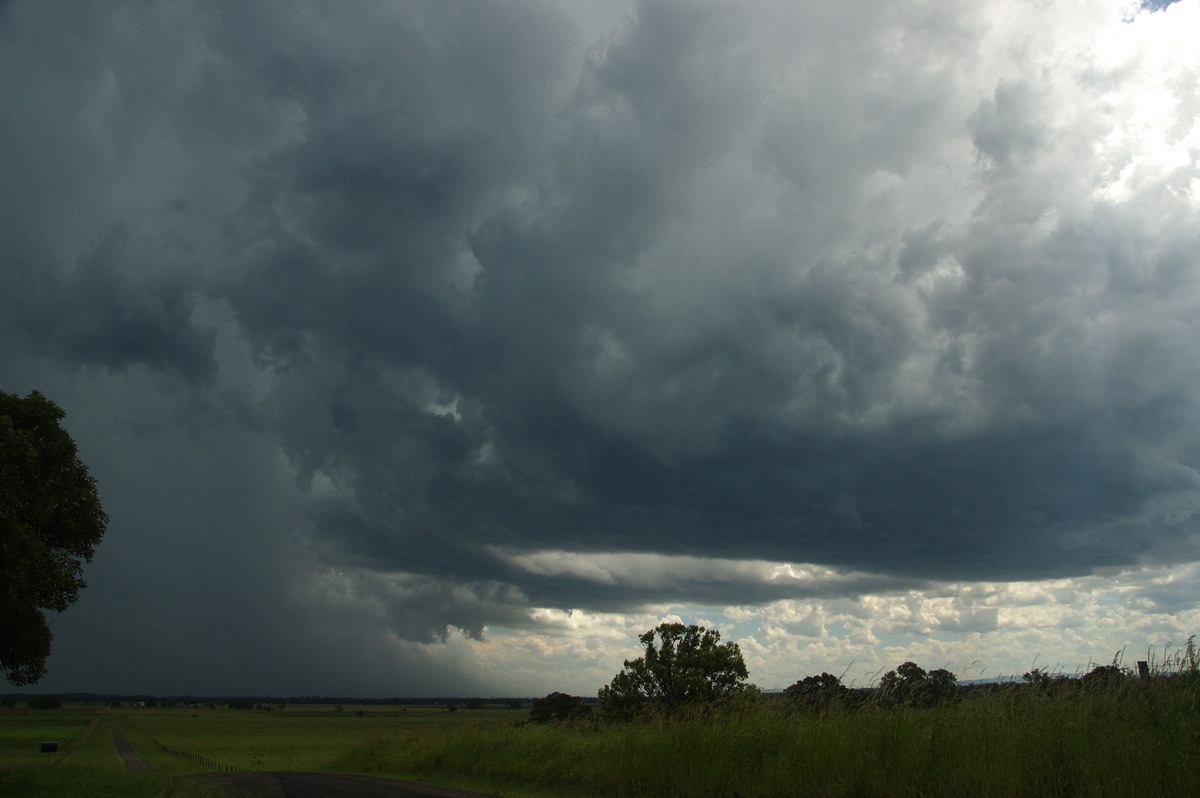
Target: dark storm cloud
695 280
107 309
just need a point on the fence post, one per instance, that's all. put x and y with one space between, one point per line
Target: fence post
1144 674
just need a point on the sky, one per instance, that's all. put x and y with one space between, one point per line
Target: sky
442 348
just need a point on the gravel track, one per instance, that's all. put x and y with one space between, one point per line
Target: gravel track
133 760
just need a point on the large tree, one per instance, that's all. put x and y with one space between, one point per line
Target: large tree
50 523
683 666
910 685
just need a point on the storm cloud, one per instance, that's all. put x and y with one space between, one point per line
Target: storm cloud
391 321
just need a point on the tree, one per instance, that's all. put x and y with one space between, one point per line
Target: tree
684 666
910 685
559 706
50 523
46 701
816 693
1103 679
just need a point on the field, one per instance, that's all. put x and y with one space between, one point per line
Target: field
1009 743
1126 742
181 741
87 762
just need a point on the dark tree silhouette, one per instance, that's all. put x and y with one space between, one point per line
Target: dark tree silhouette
817 693
559 706
684 666
911 685
50 524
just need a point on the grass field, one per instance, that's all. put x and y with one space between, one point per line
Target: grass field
87 762
300 737
1123 743
1119 743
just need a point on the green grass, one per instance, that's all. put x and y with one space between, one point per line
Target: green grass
87 763
23 730
1122 744
304 738
1012 742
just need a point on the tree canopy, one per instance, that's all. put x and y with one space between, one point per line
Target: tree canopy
683 666
559 706
911 685
50 523
818 693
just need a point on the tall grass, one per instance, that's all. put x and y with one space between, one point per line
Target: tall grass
1012 742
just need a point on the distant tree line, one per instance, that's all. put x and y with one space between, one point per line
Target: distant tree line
685 670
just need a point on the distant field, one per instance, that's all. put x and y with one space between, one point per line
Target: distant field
22 731
87 762
1127 742
300 737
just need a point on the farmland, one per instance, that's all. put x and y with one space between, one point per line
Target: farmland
1125 742
182 741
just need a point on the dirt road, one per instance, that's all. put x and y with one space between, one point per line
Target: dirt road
133 760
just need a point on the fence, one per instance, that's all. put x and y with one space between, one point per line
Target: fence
199 759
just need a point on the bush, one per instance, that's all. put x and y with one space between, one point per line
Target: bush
816 693
688 668
559 706
1103 679
910 685
46 701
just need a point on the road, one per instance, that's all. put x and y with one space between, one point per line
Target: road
133 760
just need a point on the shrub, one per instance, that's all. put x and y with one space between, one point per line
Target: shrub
1103 679
559 706
816 693
46 701
683 668
910 685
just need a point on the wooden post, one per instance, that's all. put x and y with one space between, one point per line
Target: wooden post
1144 673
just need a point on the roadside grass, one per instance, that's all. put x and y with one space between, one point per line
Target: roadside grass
59 782
160 760
1122 743
1015 740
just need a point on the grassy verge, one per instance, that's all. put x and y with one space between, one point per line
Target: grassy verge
1120 744
160 760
